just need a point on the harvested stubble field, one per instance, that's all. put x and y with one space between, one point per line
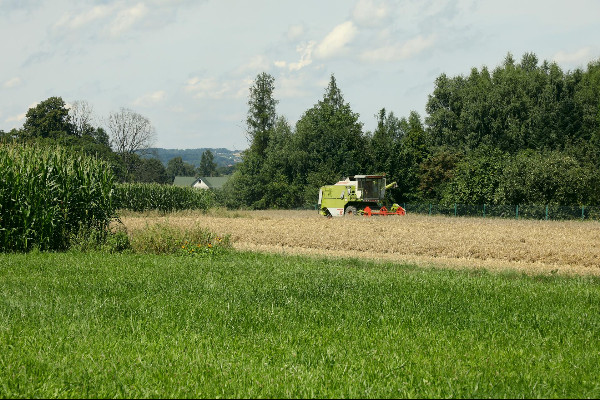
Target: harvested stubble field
533 247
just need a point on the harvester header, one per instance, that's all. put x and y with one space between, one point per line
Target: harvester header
357 195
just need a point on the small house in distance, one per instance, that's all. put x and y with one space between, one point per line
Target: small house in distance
209 182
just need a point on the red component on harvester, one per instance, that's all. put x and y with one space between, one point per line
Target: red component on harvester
383 211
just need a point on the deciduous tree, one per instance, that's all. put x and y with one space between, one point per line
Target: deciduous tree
48 119
177 167
130 132
81 113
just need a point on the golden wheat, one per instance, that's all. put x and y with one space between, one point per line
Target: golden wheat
565 247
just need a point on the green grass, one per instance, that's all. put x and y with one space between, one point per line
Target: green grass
252 325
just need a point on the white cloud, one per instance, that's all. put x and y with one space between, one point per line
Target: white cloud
256 64
206 87
292 86
112 20
126 18
295 32
371 13
577 57
17 118
11 83
20 118
150 99
305 51
211 88
85 18
336 41
399 51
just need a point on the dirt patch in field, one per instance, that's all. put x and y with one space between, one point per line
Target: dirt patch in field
553 247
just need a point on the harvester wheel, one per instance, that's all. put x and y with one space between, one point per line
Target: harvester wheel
350 211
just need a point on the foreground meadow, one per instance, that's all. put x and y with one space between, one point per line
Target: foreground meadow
247 324
530 246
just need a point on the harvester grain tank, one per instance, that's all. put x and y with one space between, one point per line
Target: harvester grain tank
357 195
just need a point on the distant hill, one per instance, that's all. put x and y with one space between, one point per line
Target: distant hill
223 157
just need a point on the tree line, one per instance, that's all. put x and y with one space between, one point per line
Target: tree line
523 133
129 135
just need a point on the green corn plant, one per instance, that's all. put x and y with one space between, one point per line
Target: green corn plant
48 194
166 198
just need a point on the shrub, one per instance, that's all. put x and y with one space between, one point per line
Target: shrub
166 239
113 240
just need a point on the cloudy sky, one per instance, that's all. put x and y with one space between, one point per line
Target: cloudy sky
187 65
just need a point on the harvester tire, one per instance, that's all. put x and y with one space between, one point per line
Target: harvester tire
350 211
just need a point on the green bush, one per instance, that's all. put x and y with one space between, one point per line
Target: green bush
166 239
114 240
48 195
153 196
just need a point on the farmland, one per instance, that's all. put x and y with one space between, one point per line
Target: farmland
253 325
381 307
528 246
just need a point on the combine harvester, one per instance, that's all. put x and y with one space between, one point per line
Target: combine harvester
357 195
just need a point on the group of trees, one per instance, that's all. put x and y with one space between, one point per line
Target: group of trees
524 133
130 133
177 167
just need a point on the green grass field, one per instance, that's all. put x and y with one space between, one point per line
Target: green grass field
255 325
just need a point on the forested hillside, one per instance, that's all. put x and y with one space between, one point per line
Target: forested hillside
523 133
222 157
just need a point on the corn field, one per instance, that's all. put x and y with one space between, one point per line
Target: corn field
47 195
165 198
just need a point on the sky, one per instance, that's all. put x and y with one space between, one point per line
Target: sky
188 65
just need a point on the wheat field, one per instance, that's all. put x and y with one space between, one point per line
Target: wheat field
532 247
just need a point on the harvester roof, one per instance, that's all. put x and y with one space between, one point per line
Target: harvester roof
352 177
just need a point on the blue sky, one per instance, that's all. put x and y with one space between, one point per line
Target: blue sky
187 65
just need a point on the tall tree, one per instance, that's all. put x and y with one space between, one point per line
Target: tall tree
329 143
248 184
130 132
48 119
261 112
386 135
588 101
409 152
81 113
207 165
